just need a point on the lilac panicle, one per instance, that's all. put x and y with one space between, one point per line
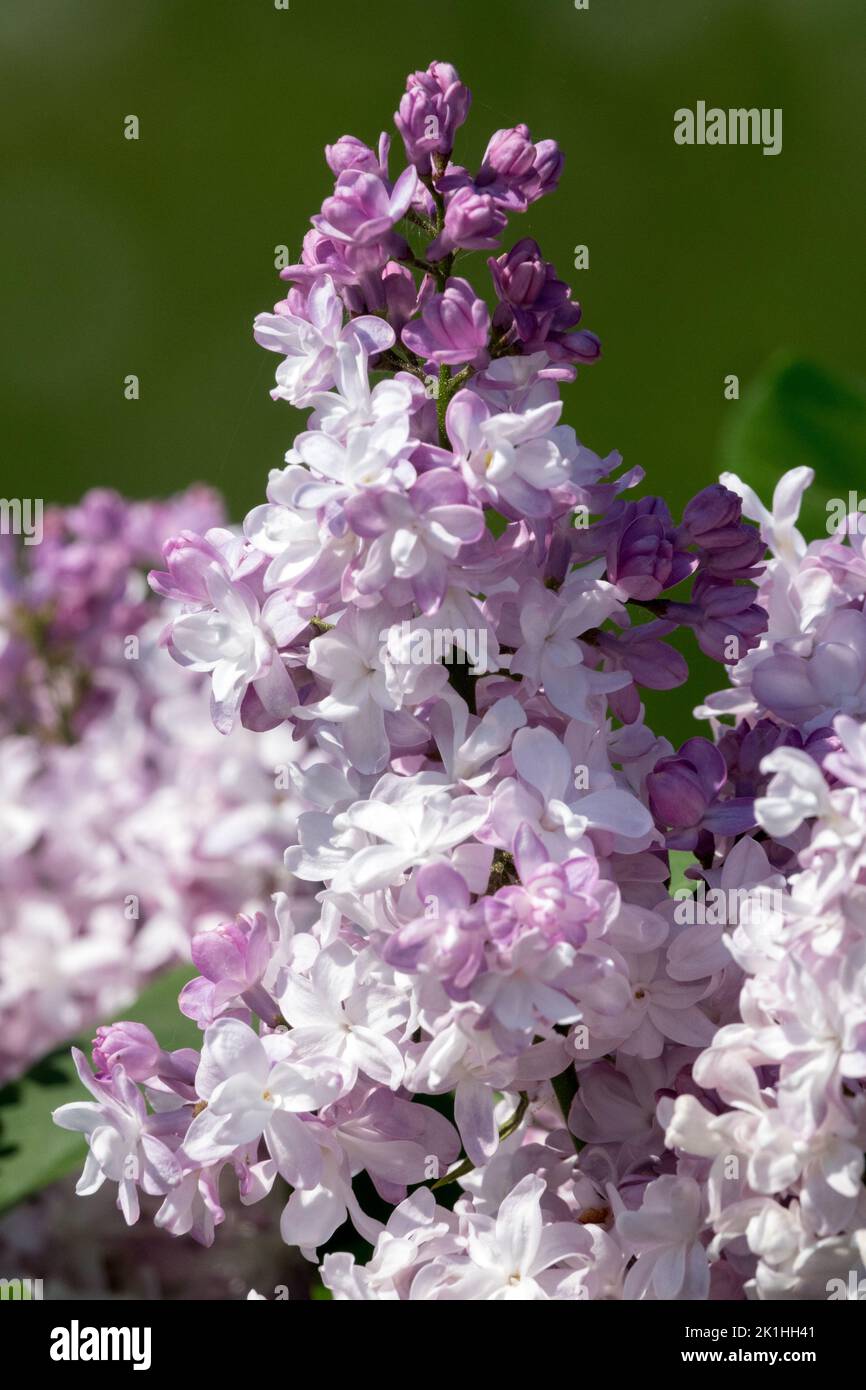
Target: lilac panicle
443 619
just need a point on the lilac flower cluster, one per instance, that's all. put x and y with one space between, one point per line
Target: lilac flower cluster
123 832
637 1098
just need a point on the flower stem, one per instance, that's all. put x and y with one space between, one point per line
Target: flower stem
565 1089
507 1129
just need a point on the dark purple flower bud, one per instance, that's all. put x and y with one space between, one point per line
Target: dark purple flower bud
435 104
653 663
650 662
745 747
130 1045
724 616
576 347
522 275
642 557
710 510
733 552
729 547
639 558
472 221
684 796
733 816
677 797
454 328
561 342
743 750
535 306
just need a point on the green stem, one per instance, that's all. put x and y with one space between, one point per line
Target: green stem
448 386
442 398
507 1129
427 227
565 1089
657 606
397 363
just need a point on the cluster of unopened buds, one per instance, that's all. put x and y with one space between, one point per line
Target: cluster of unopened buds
557 1083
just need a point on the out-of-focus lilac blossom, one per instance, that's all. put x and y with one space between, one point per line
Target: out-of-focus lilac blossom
172 831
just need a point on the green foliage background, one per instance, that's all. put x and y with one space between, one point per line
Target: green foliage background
152 256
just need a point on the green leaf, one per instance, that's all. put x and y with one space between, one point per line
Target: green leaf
799 413
680 860
33 1150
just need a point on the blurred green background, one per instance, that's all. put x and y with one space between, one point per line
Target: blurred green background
152 256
